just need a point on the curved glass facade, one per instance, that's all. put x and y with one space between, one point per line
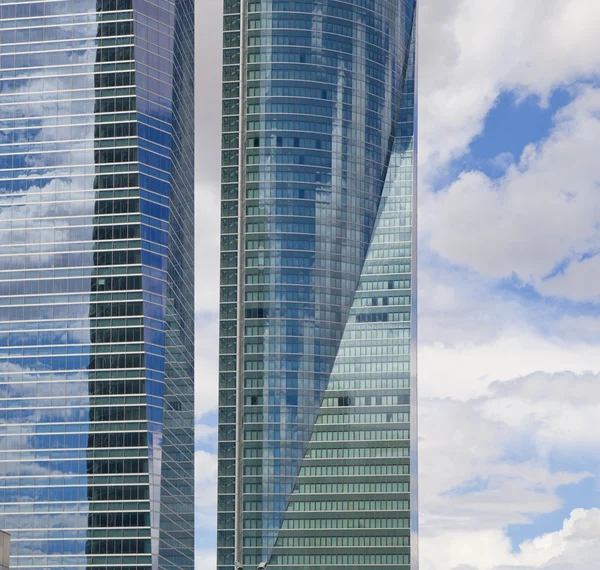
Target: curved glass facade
96 284
316 288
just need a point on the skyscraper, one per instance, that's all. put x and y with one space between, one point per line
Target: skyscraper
317 423
96 283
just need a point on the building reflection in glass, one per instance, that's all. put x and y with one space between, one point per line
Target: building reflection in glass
95 380
117 457
317 299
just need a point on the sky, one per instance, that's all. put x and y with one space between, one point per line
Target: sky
509 283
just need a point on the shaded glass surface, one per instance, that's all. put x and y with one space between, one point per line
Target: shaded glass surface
96 281
311 110
351 505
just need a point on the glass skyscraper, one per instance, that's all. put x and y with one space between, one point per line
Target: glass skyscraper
317 417
96 283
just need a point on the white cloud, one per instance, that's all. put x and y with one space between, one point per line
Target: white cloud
471 50
478 472
582 327
484 466
209 41
564 407
580 281
205 433
206 362
206 490
207 220
458 307
466 370
207 202
496 400
207 227
543 210
471 335
573 547
206 558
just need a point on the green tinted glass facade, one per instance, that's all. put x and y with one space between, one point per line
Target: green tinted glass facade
317 391
96 284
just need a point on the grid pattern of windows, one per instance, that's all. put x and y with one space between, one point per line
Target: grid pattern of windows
96 278
316 277
365 416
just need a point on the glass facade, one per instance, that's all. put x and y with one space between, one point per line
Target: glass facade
317 448
96 284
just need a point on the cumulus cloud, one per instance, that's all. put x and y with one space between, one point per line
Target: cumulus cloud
206 490
207 247
472 335
459 306
484 466
545 209
465 371
579 281
208 98
207 202
481 469
508 380
470 51
207 228
564 407
206 558
575 546
206 362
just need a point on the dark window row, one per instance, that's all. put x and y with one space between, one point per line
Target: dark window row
123 206
115 105
103 181
111 130
117 465
124 546
113 5
117 413
117 282
116 386
115 29
128 257
111 155
116 232
110 361
118 439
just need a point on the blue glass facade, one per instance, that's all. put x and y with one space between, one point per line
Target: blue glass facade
317 298
96 283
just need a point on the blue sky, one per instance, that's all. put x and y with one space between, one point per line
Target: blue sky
509 283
